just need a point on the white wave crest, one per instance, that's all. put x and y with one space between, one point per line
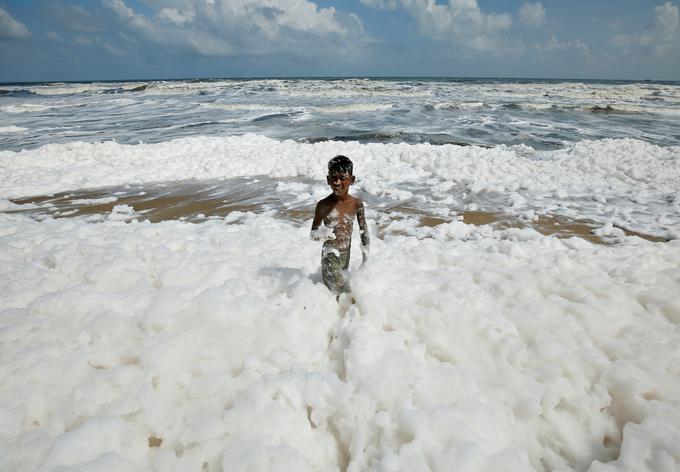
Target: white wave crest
604 107
12 129
243 106
458 105
355 108
75 88
25 108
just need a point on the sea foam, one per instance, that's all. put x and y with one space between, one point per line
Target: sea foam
137 346
631 183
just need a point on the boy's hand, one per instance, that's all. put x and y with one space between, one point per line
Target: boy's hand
322 233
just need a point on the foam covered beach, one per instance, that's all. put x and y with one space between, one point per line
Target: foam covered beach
208 342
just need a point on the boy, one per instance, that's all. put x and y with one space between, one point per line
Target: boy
337 213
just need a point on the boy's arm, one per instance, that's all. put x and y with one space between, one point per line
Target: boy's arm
320 234
363 230
318 216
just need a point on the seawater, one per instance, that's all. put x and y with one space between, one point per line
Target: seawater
543 114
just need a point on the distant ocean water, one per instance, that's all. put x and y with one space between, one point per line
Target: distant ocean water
543 114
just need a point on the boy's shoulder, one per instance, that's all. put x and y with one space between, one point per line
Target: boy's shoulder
329 200
357 201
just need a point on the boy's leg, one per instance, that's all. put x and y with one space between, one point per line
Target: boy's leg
333 266
344 260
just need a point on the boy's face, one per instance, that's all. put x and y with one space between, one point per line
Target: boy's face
340 182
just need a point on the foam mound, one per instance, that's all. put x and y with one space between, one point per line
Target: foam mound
175 346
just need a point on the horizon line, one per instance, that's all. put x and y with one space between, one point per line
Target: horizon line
338 77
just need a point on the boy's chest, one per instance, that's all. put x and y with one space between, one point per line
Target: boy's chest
341 215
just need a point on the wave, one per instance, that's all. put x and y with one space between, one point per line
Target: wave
12 129
15 92
392 137
594 108
71 89
275 116
341 108
445 106
569 91
25 108
243 106
354 108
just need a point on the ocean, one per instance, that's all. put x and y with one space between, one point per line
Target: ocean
162 305
543 114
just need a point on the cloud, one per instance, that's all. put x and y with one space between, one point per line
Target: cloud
532 14
242 27
83 41
666 21
127 13
660 38
173 16
552 44
460 21
11 28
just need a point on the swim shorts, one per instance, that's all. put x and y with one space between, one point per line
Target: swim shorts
334 264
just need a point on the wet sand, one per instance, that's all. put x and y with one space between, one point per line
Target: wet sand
187 201
197 201
550 225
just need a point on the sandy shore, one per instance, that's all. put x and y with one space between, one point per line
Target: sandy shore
200 200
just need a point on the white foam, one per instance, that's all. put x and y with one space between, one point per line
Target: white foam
636 182
458 105
243 106
355 108
604 107
75 88
25 108
94 201
169 346
12 129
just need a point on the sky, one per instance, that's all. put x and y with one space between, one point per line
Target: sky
71 40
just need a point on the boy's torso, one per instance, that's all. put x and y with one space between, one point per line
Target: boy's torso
339 215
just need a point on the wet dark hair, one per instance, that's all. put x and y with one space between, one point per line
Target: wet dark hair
340 164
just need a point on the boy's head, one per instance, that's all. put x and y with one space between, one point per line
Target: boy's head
340 175
340 164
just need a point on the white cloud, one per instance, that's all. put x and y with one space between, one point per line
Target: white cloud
532 14
127 13
83 41
11 28
552 44
120 8
53 36
382 4
173 16
661 38
229 27
461 21
666 21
